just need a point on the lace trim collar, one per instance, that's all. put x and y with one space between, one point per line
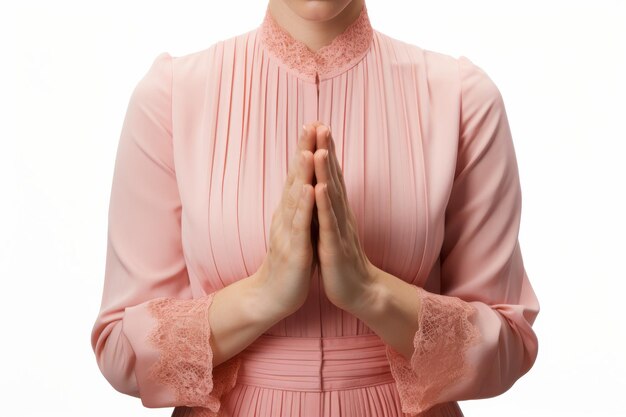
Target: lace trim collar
345 50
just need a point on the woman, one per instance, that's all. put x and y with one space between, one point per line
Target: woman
364 264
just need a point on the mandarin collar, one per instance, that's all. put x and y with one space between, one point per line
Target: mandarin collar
343 52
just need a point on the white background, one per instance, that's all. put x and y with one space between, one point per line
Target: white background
68 69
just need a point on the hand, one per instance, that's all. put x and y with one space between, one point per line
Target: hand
347 274
287 268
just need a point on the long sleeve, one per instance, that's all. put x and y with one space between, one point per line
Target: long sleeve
475 339
151 338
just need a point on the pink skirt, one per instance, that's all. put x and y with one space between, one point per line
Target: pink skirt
343 376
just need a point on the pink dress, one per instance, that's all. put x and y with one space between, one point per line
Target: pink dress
431 175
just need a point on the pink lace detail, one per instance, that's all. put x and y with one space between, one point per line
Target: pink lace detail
445 332
344 50
186 359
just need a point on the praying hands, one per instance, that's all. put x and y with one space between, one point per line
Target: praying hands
347 274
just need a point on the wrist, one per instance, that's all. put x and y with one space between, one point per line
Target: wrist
263 300
371 301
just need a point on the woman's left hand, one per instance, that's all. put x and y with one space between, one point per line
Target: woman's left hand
347 274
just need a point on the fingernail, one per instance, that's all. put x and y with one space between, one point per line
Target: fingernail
328 133
326 154
304 128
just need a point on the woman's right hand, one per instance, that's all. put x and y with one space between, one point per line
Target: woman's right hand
285 273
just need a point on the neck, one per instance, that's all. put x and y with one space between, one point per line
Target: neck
313 28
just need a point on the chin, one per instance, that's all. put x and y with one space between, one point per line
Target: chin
318 10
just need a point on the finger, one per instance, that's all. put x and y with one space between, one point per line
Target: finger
304 173
323 173
329 143
329 233
338 170
338 178
322 170
306 141
323 142
304 176
288 200
301 223
308 138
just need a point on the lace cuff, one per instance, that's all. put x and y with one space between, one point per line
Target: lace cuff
185 361
445 332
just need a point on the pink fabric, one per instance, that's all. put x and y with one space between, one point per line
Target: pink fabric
431 175
186 361
445 333
345 50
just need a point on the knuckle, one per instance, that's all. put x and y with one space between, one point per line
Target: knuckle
290 202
